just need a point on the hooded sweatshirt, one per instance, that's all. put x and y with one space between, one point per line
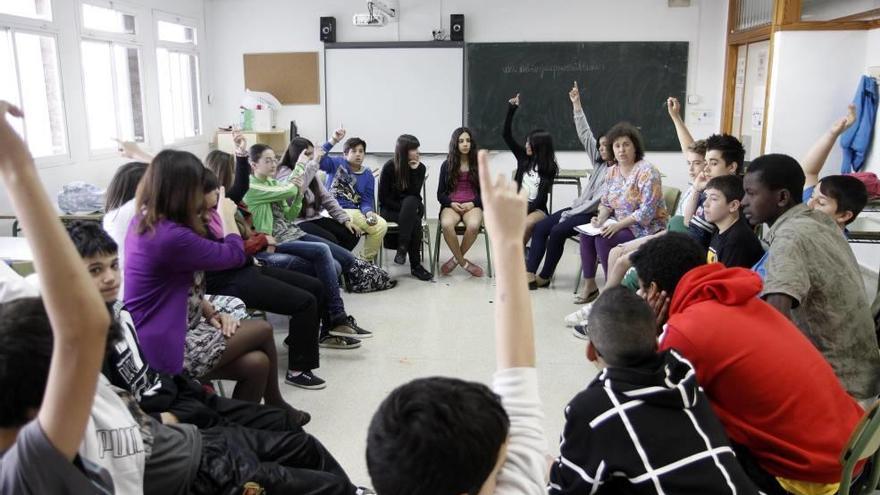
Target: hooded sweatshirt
772 390
645 429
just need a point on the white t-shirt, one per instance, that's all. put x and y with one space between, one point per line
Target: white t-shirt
113 440
525 468
530 182
116 224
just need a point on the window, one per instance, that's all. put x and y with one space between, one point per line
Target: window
107 20
31 80
178 68
113 101
35 9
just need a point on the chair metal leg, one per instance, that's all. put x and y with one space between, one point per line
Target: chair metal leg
488 252
577 280
218 387
426 235
435 256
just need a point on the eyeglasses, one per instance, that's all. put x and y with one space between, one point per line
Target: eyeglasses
268 160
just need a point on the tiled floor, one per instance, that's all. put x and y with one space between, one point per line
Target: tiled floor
435 328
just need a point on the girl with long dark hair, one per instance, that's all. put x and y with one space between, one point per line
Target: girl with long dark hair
458 191
400 200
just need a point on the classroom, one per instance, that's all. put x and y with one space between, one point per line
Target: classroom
439 247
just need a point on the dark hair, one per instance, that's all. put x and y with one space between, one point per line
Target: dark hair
209 181
731 186
353 142
25 354
665 259
849 192
223 165
625 129
294 149
777 171
256 151
405 144
453 160
543 154
172 189
90 239
435 436
730 147
622 327
124 184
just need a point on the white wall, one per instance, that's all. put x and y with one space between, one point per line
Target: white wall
81 164
814 77
236 27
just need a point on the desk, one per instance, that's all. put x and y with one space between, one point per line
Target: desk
569 177
65 219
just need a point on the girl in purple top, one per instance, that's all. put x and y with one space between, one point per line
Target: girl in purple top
164 248
458 191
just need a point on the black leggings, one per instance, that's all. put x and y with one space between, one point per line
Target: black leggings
281 291
331 230
409 218
290 462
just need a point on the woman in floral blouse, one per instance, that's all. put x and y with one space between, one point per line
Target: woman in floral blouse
633 197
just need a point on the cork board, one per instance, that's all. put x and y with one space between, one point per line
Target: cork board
291 77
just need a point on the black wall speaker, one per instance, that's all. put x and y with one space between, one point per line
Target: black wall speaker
328 29
456 27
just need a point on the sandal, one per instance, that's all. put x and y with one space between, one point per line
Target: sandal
579 299
447 267
473 269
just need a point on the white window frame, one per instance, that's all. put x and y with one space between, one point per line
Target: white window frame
41 27
189 49
115 39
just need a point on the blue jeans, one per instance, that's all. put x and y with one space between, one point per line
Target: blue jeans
316 257
343 256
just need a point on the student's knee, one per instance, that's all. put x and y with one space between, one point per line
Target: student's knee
448 222
255 364
380 228
411 202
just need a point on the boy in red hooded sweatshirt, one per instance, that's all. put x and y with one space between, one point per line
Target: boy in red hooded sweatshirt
780 402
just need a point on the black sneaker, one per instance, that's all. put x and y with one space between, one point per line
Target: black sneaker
362 490
306 380
420 273
580 331
359 333
333 342
400 257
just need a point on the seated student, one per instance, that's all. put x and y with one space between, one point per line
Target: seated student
694 151
761 375
842 197
811 275
119 203
458 192
400 200
536 166
485 444
161 394
632 195
353 186
734 243
550 234
337 226
619 430
724 156
47 394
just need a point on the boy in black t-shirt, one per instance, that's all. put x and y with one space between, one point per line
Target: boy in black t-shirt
735 243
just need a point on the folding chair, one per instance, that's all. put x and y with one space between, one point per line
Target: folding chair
394 228
863 443
459 230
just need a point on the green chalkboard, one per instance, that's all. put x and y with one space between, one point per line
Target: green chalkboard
618 80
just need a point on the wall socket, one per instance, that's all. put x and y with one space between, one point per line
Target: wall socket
702 117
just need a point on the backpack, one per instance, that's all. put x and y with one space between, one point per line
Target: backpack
367 277
872 184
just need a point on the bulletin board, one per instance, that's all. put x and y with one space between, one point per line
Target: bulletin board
292 77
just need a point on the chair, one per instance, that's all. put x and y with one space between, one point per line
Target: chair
863 443
459 230
394 228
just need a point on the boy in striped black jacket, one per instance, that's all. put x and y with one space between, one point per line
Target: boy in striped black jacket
643 425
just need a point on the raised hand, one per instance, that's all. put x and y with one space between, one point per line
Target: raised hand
318 154
575 94
673 107
844 123
504 208
13 150
700 181
304 157
240 143
339 134
514 101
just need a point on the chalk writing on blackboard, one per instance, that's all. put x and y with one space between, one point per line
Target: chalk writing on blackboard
554 69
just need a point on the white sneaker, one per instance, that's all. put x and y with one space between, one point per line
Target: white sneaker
578 317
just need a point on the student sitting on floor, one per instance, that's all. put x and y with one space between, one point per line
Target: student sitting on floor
734 243
47 390
446 436
161 394
781 404
353 186
644 422
811 275
842 197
